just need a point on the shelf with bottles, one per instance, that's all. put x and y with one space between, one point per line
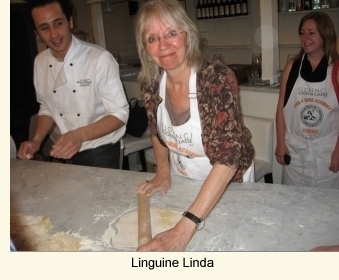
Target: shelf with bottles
306 6
228 47
308 11
207 10
222 18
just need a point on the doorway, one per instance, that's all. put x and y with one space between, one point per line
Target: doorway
23 49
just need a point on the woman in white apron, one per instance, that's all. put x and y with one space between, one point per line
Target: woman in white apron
308 110
194 116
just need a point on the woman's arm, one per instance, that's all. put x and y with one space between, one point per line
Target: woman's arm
281 148
162 180
334 166
178 237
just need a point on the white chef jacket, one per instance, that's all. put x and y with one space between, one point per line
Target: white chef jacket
311 117
81 90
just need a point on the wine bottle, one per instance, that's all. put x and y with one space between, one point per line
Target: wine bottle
221 8
203 13
198 10
282 6
227 8
325 4
232 8
210 8
316 4
207 10
291 5
244 8
307 5
215 9
237 8
298 5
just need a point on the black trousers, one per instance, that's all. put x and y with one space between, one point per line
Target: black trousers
107 156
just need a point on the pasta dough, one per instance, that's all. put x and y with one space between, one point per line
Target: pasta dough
30 233
126 234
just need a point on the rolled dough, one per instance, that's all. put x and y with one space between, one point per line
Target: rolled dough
30 233
126 233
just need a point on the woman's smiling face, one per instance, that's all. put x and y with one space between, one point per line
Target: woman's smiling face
310 38
169 45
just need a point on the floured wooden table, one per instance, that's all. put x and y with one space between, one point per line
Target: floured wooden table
87 203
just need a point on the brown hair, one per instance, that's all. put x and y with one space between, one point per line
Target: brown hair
326 31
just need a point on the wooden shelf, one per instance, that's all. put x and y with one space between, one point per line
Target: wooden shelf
304 12
229 47
289 45
224 18
105 1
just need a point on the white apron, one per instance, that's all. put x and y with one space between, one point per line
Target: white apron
187 155
312 128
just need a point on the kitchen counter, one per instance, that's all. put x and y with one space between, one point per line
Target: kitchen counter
132 77
84 201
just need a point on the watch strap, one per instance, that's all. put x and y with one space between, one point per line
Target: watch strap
192 217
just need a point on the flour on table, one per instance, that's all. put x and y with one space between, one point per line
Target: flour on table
123 233
30 233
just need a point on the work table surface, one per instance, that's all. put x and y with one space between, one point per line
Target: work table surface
243 87
85 201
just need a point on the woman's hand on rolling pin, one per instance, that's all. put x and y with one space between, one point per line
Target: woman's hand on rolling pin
160 183
173 240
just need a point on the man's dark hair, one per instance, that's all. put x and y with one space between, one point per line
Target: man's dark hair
66 7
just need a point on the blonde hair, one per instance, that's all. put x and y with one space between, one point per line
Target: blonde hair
171 12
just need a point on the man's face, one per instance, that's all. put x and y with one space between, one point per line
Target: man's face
53 28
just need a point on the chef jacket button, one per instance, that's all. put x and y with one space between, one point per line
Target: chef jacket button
78 115
74 90
71 64
60 115
54 91
50 65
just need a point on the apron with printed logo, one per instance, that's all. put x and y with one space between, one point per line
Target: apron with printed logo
186 151
311 118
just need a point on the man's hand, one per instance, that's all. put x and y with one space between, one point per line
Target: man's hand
27 149
67 144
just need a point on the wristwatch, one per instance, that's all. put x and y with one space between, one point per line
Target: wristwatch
199 222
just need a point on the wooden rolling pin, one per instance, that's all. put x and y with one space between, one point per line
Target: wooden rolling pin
144 220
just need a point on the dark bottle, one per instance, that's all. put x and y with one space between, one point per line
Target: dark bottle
307 5
202 8
232 8
198 10
244 8
291 5
237 8
210 9
215 9
221 8
298 5
227 8
207 11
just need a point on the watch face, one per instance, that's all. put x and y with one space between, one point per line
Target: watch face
200 225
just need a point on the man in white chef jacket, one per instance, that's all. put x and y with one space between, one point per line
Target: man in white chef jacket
79 89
